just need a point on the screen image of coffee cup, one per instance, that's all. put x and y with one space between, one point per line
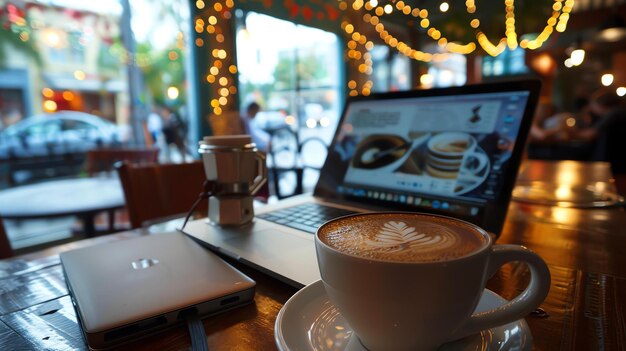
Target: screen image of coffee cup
448 153
411 281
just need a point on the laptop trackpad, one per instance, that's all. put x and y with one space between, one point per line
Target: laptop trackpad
281 252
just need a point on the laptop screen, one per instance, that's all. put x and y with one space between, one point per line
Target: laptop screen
452 151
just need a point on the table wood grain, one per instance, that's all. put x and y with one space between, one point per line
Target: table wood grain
585 309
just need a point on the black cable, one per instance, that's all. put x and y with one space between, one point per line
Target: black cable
208 190
196 333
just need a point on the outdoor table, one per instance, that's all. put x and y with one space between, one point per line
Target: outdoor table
81 197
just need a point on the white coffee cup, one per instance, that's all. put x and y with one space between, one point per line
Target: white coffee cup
418 303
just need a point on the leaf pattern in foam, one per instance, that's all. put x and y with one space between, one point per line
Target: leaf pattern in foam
397 236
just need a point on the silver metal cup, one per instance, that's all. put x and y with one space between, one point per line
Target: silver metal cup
238 171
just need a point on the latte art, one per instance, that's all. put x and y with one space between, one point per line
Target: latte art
402 237
398 236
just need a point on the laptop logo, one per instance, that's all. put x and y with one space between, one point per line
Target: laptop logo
144 263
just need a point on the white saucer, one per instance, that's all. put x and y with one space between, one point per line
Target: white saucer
309 321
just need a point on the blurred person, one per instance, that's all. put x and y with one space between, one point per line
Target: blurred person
259 136
155 126
174 131
543 127
602 107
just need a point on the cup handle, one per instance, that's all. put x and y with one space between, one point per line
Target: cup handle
261 176
524 303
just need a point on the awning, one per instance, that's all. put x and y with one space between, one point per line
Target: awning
58 81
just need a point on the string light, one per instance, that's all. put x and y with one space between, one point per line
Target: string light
557 21
219 73
607 79
362 59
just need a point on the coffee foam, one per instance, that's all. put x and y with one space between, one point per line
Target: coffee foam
402 237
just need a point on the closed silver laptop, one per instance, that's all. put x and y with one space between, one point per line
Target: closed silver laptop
127 289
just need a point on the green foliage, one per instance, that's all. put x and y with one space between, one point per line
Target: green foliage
310 70
10 34
165 69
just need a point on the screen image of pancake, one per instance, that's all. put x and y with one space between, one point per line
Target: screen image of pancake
438 148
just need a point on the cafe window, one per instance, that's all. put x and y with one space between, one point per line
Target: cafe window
390 69
509 62
292 71
451 71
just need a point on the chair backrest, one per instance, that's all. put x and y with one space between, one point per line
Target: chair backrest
155 191
5 245
104 160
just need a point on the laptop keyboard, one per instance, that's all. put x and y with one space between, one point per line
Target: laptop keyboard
306 217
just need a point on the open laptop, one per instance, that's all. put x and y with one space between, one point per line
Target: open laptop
132 288
452 151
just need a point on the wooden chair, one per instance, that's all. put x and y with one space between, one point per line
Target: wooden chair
104 160
100 161
161 190
5 246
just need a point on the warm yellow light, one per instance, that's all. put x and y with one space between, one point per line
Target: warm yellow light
424 23
172 93
577 57
352 84
373 3
349 29
290 120
232 69
212 20
223 100
223 81
199 42
568 63
80 75
217 7
217 110
444 7
222 54
621 91
427 80
475 23
210 78
68 95
607 79
52 38
47 92
388 9
49 106
214 70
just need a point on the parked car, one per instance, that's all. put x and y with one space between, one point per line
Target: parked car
64 132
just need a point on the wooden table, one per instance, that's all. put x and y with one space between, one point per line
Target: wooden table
585 309
81 197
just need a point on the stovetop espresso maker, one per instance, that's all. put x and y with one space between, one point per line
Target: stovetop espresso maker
235 171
